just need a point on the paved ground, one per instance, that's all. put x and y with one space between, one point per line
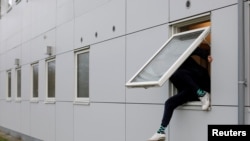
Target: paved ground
8 137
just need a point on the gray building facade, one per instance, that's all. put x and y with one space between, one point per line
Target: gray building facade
43 38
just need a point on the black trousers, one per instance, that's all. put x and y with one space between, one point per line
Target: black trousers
187 83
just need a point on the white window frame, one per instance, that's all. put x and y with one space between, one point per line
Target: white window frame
17 1
34 99
175 65
175 29
49 100
80 100
18 98
8 85
6 6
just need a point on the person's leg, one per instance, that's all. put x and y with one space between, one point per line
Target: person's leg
197 80
205 85
170 105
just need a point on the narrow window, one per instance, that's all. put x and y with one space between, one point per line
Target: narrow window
8 84
51 71
34 80
82 76
18 82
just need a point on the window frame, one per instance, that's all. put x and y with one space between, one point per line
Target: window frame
175 65
33 98
81 100
51 100
175 29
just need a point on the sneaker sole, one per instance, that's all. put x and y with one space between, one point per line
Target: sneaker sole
161 139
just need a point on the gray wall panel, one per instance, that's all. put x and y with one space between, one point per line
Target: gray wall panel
105 118
192 124
64 11
43 21
26 83
224 52
65 36
178 9
40 43
143 14
142 121
64 121
65 77
100 20
25 117
42 121
107 71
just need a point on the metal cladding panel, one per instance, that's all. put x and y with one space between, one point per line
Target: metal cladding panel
178 8
42 121
65 77
193 124
25 117
107 71
145 118
39 45
64 11
65 36
107 118
143 14
224 72
43 20
100 23
64 118
26 85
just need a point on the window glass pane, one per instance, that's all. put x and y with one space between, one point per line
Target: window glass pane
83 75
9 84
35 80
51 79
167 57
19 83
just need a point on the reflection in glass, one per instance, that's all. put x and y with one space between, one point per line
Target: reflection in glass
83 75
166 57
51 79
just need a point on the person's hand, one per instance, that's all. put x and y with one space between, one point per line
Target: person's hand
210 58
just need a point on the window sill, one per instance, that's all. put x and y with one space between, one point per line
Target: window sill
50 101
34 100
196 105
8 99
81 102
18 100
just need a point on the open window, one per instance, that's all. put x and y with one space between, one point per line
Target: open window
6 6
168 58
187 25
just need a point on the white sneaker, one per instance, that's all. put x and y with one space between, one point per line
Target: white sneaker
157 137
205 101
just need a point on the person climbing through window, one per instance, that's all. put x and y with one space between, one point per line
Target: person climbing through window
193 84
